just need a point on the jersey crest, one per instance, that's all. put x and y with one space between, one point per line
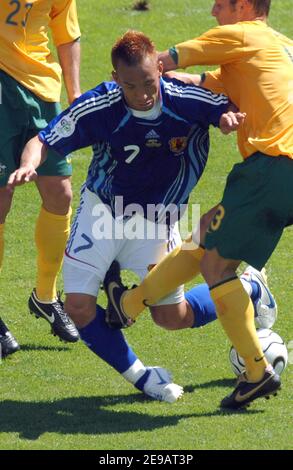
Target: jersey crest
177 144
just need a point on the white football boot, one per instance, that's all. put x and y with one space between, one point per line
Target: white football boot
159 386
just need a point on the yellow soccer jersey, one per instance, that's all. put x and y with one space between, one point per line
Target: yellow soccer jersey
257 74
24 53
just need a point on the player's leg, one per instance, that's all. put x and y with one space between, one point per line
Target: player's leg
52 231
198 309
11 118
176 310
227 291
249 232
51 234
52 228
139 253
178 266
5 205
86 262
8 343
236 313
195 310
109 345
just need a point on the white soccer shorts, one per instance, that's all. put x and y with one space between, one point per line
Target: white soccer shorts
97 239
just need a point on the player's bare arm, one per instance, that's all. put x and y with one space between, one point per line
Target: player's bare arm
69 59
229 121
33 155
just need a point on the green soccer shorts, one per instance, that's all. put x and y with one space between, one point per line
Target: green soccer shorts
22 116
256 207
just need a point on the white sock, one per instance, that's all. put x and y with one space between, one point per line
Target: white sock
135 372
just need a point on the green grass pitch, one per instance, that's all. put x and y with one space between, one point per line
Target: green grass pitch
59 396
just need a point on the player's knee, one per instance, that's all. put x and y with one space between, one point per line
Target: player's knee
216 269
56 193
165 317
79 310
208 269
61 194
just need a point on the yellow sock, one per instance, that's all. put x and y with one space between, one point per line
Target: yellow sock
51 235
178 267
1 244
236 314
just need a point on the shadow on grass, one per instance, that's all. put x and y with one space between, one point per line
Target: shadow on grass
34 347
212 383
85 415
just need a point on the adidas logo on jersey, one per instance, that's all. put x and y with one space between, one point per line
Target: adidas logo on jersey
152 135
152 139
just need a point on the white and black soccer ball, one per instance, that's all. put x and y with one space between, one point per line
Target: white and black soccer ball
274 350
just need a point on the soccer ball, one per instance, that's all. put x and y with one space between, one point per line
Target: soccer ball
274 350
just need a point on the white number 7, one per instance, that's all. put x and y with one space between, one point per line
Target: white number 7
134 152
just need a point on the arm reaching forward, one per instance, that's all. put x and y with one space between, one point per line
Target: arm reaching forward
33 155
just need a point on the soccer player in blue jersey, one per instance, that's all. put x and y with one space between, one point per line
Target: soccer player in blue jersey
150 142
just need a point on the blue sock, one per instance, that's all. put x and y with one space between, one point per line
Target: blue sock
110 345
202 305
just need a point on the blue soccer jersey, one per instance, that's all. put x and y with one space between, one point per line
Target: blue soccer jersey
146 161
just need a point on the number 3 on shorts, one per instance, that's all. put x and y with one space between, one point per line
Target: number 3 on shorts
217 220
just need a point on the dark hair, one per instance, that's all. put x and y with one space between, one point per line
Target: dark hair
261 7
131 48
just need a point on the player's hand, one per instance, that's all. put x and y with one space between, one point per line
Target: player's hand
21 176
231 121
